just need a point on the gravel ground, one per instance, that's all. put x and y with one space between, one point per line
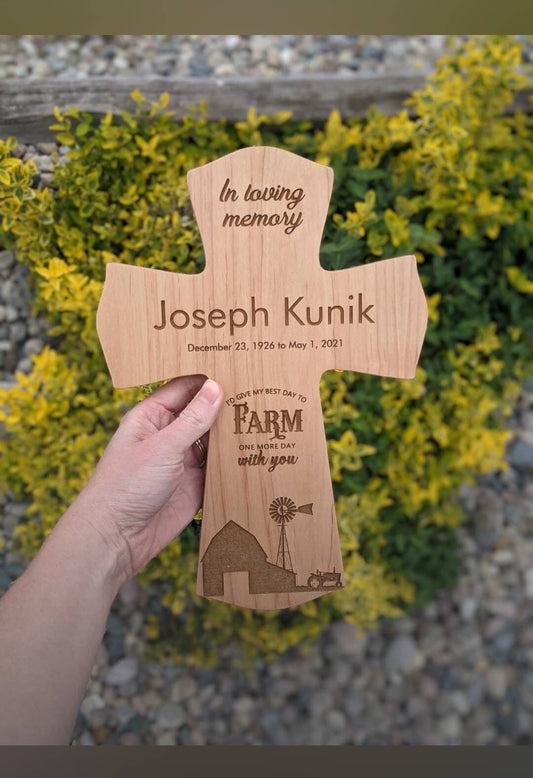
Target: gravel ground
82 56
458 672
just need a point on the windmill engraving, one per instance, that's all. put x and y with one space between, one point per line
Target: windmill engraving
236 549
282 510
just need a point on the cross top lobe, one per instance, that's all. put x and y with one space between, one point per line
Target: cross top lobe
260 197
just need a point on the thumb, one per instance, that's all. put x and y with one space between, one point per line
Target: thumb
196 418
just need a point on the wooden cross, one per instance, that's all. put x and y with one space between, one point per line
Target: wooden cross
265 321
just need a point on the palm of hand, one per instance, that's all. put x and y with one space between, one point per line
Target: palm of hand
149 477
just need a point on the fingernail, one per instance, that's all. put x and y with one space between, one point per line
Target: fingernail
210 391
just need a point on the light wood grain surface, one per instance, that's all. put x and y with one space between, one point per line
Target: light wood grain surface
265 320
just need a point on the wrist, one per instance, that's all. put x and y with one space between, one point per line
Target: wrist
101 554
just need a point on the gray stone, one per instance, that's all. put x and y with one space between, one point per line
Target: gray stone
124 714
476 692
403 655
129 739
17 509
449 727
468 608
17 331
527 421
19 151
170 716
354 702
243 710
443 705
7 385
7 260
115 625
136 622
335 720
198 738
416 708
342 672
372 51
129 689
85 739
33 346
468 495
5 581
505 609
231 42
57 66
115 646
404 626
45 179
488 518
37 327
199 67
504 557
502 648
46 148
166 739
150 700
528 578
10 522
521 455
460 702
526 692
129 592
97 718
122 672
318 701
346 641
524 722
15 570
428 687
183 688
43 163
496 682
194 707
24 365
433 739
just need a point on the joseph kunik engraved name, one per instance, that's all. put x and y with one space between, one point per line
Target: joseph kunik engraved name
293 311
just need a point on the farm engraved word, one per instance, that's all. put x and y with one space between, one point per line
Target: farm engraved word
265 321
247 422
274 423
278 193
291 311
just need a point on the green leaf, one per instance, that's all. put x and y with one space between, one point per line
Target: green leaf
82 129
66 138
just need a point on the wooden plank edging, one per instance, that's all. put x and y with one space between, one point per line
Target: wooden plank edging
26 104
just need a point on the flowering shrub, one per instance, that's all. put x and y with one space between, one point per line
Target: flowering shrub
451 183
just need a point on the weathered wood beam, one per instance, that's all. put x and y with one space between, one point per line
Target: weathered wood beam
26 105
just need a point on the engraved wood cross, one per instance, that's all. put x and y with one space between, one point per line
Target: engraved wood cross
264 320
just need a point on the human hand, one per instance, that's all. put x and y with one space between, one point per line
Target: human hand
148 485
